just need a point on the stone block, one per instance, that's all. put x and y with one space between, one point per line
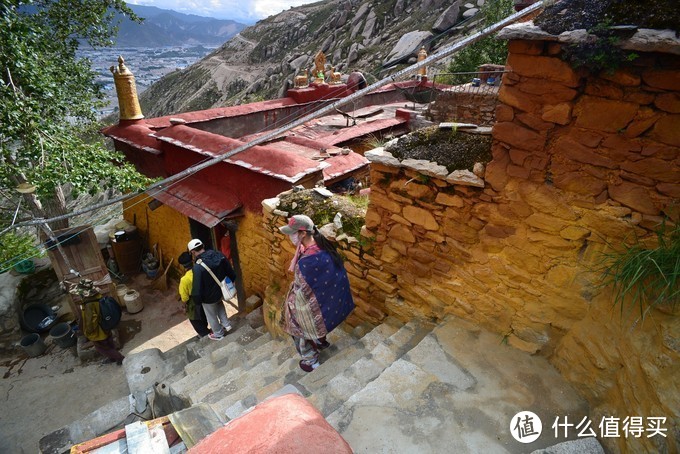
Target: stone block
547 200
518 172
523 46
504 113
517 99
669 189
569 148
667 130
579 183
420 217
668 102
639 97
372 218
603 114
551 68
658 169
450 200
603 89
465 178
419 191
559 113
389 255
518 136
574 233
545 92
665 79
401 233
546 222
379 200
622 77
420 256
400 220
498 231
633 196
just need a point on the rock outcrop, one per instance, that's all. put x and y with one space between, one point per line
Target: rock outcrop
261 61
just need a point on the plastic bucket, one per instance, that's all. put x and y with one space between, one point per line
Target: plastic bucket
63 335
133 302
33 344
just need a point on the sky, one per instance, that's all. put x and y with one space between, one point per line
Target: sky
246 11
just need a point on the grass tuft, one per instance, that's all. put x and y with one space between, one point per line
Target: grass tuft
643 277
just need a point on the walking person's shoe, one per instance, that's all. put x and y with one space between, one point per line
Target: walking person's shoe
228 329
322 344
308 367
215 337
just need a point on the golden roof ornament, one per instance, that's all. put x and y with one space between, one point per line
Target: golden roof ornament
422 55
126 89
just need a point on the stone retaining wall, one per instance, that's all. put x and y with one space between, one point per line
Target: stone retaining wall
580 164
476 105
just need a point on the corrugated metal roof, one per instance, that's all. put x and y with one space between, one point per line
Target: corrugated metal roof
201 201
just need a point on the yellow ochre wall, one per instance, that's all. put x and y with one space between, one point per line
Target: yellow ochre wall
170 229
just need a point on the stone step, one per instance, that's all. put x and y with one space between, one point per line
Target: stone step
243 333
329 397
249 385
280 363
203 369
342 357
461 387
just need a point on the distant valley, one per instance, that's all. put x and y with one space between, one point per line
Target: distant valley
169 28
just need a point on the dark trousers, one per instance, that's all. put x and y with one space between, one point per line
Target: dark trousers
201 327
107 348
201 323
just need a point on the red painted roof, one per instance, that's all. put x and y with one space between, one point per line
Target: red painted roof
137 134
200 201
343 164
222 112
267 159
286 424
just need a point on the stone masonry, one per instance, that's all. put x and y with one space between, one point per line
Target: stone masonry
581 163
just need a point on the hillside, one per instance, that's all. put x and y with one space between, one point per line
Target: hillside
170 28
373 37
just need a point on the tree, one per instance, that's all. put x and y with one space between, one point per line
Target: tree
48 99
488 49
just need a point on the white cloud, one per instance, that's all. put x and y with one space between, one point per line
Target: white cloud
248 11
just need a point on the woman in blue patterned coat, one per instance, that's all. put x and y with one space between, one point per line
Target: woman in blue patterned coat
319 298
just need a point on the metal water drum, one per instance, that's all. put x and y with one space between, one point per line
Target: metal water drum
133 302
33 345
63 335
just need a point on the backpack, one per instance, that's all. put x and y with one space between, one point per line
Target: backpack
110 312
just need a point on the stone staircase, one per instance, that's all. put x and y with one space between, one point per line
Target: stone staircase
413 387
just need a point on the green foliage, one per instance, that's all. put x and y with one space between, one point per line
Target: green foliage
645 277
488 49
16 248
48 97
600 52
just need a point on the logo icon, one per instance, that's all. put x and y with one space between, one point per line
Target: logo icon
526 427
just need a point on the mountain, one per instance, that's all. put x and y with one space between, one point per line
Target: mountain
375 37
170 28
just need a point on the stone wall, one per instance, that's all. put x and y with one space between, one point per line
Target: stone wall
476 105
580 164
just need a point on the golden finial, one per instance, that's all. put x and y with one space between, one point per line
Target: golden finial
126 89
